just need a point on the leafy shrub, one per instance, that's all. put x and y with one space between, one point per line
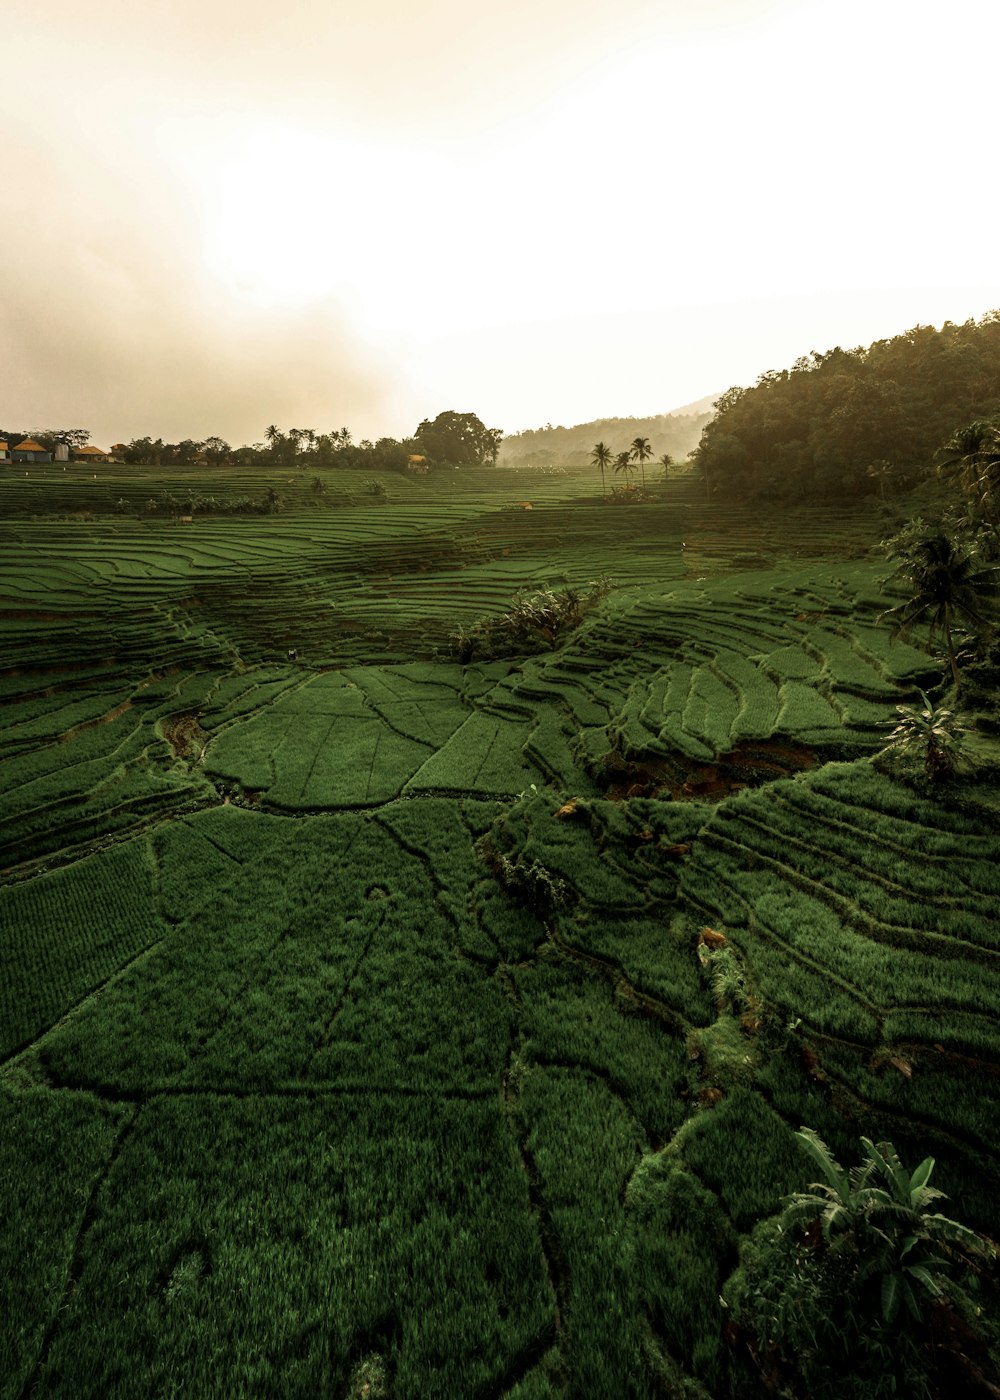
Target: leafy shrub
842 1306
534 620
529 882
933 731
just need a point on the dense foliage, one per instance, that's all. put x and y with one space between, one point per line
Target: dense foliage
815 430
460 439
533 620
838 1293
945 585
456 439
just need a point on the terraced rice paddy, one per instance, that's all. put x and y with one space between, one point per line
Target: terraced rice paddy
358 1025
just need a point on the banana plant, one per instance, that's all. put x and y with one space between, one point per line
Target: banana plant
881 1217
932 729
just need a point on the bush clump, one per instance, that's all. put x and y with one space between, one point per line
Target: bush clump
534 621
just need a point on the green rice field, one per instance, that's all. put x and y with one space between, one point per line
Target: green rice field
359 1033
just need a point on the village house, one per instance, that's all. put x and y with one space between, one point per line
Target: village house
4 452
30 451
90 453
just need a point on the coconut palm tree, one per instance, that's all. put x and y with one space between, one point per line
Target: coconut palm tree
881 472
666 462
971 457
623 464
601 457
642 452
945 585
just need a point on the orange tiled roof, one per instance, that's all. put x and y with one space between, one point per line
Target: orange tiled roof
91 451
3 446
29 446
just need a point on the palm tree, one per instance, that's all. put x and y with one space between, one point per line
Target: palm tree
971 456
623 463
642 452
274 437
944 583
666 462
881 472
601 457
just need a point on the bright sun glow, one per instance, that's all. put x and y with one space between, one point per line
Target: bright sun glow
293 217
272 231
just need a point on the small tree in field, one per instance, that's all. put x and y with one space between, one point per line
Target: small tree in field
944 585
642 452
602 458
838 1292
934 732
624 466
881 472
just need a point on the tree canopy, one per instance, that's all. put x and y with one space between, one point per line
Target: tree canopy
815 430
459 438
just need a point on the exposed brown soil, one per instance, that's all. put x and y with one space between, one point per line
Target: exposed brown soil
184 734
748 765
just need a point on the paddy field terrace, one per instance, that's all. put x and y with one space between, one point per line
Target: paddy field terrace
372 1019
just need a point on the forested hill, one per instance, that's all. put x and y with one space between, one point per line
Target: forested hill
676 433
848 422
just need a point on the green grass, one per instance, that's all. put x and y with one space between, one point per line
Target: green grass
362 1018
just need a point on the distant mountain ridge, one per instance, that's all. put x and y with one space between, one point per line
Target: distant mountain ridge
705 405
677 433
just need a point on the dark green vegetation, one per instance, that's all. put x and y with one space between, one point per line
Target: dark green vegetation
852 1289
373 1019
849 423
451 439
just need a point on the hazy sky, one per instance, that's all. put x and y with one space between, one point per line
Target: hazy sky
220 214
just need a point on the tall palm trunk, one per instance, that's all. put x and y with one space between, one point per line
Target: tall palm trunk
950 645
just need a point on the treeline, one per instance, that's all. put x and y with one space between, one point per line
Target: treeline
292 448
673 433
451 439
852 422
49 438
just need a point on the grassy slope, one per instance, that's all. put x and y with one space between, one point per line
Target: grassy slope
333 1056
